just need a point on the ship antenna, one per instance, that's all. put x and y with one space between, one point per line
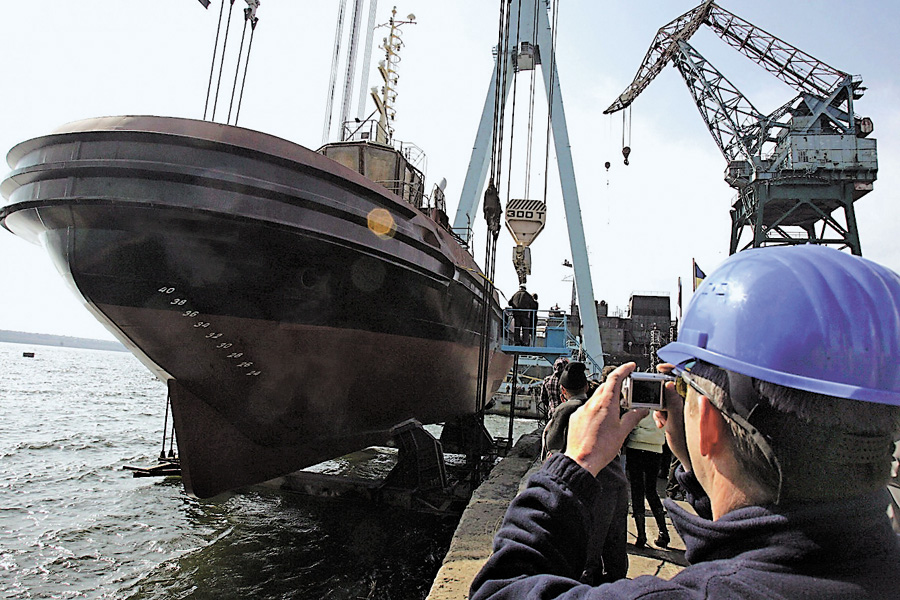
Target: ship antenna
384 102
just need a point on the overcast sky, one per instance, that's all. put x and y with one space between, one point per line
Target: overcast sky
644 223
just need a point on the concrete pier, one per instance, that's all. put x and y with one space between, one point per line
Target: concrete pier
472 543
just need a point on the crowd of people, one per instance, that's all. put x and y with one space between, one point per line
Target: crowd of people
783 415
565 391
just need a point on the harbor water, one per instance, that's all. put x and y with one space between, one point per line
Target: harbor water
74 524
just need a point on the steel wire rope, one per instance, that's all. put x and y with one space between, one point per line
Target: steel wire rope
530 141
491 238
172 438
329 102
512 121
162 452
626 138
222 62
237 67
500 96
212 66
246 65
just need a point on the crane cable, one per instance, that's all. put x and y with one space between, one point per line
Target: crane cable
246 64
250 18
212 67
332 82
500 92
222 62
512 123
492 208
530 139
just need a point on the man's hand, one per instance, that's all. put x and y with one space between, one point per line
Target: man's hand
596 433
673 420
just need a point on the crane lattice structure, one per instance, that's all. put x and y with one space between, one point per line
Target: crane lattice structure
796 168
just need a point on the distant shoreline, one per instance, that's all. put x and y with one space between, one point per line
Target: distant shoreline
46 339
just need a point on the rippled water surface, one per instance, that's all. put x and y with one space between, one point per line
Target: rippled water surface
74 524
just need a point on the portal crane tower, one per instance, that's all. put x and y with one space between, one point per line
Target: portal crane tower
529 20
794 169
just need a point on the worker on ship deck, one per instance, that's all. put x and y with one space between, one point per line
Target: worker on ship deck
784 415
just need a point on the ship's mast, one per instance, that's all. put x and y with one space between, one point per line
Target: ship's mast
384 101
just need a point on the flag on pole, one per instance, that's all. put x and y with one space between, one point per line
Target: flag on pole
698 275
205 3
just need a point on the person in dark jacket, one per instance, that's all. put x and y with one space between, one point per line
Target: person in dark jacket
607 558
787 361
524 307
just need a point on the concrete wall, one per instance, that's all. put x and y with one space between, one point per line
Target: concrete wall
473 541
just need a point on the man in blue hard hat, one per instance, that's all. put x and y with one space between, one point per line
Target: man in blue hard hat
787 362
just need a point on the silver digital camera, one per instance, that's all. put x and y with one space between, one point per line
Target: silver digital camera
645 390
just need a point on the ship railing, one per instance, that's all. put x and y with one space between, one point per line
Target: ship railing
371 130
528 331
415 155
544 333
364 131
411 191
463 235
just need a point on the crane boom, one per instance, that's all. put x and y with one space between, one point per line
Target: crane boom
800 70
661 51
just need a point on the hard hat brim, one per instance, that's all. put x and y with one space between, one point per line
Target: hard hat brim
680 353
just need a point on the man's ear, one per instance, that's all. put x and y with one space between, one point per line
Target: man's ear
712 424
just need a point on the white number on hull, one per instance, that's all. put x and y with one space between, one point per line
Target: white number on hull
213 335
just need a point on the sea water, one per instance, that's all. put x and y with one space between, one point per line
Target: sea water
75 524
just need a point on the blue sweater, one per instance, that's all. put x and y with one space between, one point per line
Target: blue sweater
817 551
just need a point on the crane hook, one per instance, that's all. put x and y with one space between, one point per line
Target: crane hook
625 152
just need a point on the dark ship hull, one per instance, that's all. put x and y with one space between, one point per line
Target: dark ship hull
296 309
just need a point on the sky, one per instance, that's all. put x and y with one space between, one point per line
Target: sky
644 223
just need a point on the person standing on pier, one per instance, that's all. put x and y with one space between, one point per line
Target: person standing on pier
550 392
607 558
784 417
643 449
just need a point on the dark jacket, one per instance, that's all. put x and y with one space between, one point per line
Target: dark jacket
826 550
607 554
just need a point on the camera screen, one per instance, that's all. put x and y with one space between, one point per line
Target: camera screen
645 392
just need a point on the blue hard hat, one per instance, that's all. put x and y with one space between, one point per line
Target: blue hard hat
806 317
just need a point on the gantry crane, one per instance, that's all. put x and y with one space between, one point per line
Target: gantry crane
530 46
796 168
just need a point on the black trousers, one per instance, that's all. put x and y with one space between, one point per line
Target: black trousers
643 468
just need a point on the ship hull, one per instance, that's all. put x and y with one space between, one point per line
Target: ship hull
246 272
